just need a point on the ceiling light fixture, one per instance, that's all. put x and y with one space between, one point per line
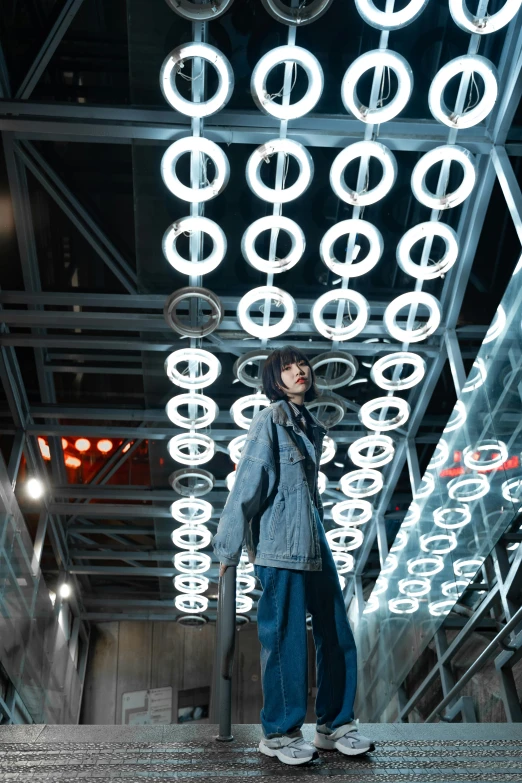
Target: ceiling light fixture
381 404
353 226
196 224
194 357
445 154
343 331
274 224
465 64
364 150
210 411
278 56
390 20
405 335
262 154
201 146
428 230
382 444
394 360
174 63
267 294
377 58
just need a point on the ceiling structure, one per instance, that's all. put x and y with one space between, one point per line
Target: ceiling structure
84 283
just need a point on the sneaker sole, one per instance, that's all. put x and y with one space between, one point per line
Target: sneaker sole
322 742
276 752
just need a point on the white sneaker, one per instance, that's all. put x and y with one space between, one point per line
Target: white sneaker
347 739
289 750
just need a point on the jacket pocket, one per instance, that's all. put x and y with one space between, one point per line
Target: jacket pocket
276 516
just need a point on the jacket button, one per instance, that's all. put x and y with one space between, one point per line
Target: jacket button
291 459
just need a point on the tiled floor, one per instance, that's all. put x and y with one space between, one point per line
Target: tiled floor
420 753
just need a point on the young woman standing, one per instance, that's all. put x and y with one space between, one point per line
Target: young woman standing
275 508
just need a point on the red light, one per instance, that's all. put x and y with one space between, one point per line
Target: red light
72 462
82 444
457 456
104 446
451 472
397 508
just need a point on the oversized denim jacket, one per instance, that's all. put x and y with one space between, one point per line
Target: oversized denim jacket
271 505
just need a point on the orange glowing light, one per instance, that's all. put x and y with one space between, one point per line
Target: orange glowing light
44 448
104 446
126 448
82 444
64 443
72 462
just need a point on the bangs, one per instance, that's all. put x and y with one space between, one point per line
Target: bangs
290 354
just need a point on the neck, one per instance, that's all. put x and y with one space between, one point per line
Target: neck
297 399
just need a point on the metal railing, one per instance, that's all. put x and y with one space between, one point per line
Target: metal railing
225 649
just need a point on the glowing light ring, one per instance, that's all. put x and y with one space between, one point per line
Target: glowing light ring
401 539
403 605
482 25
191 603
334 357
196 224
428 481
439 608
424 231
183 537
230 479
264 293
440 455
363 149
465 489
383 443
188 355
202 509
444 153
463 563
235 447
507 488
407 300
341 333
273 223
414 588
379 404
283 54
342 581
344 562
412 515
187 440
257 356
190 583
476 380
199 13
371 605
397 360
350 481
263 154
192 562
497 325
377 58
202 146
440 516
205 479
457 418
298 16
496 446
465 63
329 449
348 227
453 589
320 405
198 422
337 538
245 583
211 55
425 566
249 401
390 564
321 482
193 292
390 20
381 585
426 541
352 519
243 603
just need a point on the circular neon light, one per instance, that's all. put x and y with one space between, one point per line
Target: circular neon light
398 359
245 583
425 566
230 479
199 482
440 455
194 225
407 300
267 294
498 457
199 13
184 448
344 358
426 487
190 583
345 539
328 450
199 511
192 562
482 25
200 328
257 357
363 150
381 404
277 56
446 153
191 603
390 564
193 538
273 223
423 231
210 408
390 20
382 443
321 482
202 146
497 325
457 418
465 489
263 154
344 562
401 540
459 516
174 63
381 585
438 539
412 515
377 58
512 490
353 226
352 483
476 380
359 512
298 16
403 605
354 327
193 357
467 567
467 63
235 447
454 588
251 400
439 608
414 588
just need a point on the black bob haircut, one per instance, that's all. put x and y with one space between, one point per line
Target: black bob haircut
275 362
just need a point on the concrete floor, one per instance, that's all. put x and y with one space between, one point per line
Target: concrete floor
442 753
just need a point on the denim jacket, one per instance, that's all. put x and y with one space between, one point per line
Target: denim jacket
271 505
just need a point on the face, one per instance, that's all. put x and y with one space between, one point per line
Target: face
297 378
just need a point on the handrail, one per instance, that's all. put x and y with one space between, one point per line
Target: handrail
226 643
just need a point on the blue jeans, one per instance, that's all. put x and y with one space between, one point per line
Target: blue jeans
281 620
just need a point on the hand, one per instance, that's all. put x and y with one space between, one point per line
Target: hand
222 569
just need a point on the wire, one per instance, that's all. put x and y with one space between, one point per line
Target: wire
474 84
180 67
280 93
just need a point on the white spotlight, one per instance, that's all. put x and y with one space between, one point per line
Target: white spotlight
65 590
35 488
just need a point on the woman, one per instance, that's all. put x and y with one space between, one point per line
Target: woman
275 507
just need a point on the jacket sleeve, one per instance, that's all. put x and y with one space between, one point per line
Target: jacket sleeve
254 482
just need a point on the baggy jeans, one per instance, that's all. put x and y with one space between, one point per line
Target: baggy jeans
286 598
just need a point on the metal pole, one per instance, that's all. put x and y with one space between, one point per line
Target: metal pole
226 639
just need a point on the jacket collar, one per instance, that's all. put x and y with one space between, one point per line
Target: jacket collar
283 415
